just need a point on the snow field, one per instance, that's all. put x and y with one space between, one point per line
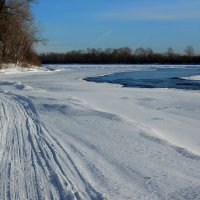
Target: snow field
65 138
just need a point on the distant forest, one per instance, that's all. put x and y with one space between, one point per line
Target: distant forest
123 55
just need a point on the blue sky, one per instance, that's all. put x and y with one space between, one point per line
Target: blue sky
81 24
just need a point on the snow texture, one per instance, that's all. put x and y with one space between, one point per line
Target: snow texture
194 78
65 138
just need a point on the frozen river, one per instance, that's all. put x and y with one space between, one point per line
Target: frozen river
178 78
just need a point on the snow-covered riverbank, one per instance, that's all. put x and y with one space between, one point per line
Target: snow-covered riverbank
65 138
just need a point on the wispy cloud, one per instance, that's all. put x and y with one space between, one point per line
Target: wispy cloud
157 12
101 37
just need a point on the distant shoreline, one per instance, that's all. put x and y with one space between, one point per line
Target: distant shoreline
76 63
120 56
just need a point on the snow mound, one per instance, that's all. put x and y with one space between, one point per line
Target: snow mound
194 78
14 69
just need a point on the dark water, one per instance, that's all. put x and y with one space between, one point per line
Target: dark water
157 78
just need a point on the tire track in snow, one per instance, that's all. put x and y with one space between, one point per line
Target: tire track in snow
30 165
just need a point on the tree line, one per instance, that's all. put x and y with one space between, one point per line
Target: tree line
123 55
17 32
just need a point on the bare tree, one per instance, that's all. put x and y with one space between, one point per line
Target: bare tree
170 52
140 52
149 52
2 4
17 31
189 51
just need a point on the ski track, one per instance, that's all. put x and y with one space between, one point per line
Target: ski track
30 165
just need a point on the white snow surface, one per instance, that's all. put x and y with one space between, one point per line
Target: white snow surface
65 138
194 78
